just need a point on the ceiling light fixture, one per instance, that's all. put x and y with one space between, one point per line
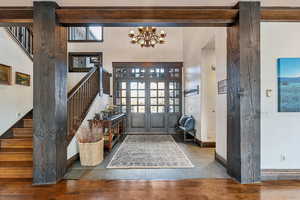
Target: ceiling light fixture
147 36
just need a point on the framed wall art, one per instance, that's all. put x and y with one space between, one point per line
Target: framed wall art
22 79
222 87
5 75
288 70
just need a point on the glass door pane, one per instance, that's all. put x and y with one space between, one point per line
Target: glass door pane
137 97
157 96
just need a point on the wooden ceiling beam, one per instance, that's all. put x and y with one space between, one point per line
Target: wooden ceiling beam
16 15
280 14
160 15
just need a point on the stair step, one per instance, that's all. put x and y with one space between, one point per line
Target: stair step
15 172
22 132
27 123
16 142
13 154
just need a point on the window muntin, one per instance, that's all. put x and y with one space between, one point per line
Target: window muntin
82 34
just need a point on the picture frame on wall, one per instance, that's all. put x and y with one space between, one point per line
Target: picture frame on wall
5 75
288 70
22 79
222 87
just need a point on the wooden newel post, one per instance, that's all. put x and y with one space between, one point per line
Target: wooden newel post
49 95
243 99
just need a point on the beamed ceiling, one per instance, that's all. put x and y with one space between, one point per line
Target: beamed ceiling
265 3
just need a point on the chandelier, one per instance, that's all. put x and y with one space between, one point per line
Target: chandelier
147 36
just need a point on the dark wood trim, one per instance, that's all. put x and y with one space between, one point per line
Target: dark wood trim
72 54
158 16
124 15
280 174
18 15
280 14
220 160
49 96
203 144
72 160
243 98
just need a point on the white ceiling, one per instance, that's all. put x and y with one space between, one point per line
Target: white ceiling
285 3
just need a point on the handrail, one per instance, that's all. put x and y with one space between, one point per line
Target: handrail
81 82
80 99
24 37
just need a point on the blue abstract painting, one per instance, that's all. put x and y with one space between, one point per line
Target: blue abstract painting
289 85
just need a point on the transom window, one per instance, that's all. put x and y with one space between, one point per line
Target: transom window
86 34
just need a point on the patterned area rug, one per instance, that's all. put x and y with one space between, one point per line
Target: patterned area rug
149 151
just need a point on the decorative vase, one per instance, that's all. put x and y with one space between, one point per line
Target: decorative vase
91 154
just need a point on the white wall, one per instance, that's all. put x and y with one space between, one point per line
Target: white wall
195 39
221 99
15 100
280 132
208 91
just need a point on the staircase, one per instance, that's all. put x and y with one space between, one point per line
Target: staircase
16 147
16 153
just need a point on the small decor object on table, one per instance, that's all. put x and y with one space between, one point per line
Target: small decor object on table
91 144
110 111
5 75
22 79
289 85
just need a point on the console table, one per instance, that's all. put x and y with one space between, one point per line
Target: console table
115 126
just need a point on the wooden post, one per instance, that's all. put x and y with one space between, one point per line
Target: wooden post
49 95
243 72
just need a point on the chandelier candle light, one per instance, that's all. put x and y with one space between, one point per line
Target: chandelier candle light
147 36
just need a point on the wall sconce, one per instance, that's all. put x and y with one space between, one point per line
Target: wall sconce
268 92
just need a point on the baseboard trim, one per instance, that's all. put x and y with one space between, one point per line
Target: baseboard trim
220 160
280 174
205 144
72 160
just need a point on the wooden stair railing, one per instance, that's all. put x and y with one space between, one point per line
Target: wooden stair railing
80 99
16 147
24 38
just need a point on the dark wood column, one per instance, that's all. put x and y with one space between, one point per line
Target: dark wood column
243 72
49 95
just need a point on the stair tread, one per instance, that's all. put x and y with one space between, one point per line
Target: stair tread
23 128
15 150
16 138
6 164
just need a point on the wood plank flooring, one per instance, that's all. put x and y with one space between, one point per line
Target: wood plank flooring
200 189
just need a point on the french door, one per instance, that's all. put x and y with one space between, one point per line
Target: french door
150 94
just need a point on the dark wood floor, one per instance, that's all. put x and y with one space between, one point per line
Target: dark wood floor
200 189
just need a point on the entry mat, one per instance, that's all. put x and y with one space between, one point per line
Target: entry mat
149 151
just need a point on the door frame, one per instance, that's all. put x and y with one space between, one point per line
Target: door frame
147 80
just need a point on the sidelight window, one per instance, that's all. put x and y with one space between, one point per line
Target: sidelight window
174 96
